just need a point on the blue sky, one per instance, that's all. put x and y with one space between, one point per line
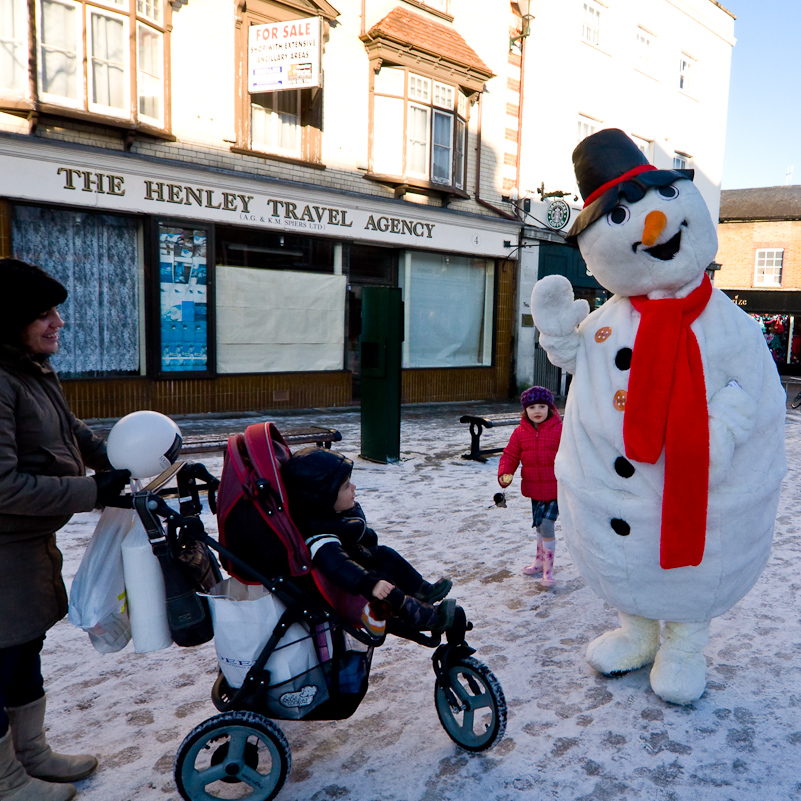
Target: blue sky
764 122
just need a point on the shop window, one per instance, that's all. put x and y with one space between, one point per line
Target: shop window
781 334
83 57
591 23
419 127
96 257
448 307
280 305
286 122
183 329
768 267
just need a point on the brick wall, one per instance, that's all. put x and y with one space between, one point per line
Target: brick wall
738 243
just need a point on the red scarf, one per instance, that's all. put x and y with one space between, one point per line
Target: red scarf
666 407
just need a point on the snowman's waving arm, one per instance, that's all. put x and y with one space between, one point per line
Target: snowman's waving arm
557 316
732 419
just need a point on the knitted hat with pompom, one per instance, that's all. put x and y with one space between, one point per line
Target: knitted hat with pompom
536 395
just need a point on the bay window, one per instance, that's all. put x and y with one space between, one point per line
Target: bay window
102 57
419 127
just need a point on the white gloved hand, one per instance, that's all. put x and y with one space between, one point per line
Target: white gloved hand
557 315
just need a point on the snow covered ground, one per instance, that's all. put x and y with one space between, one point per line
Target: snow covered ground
571 733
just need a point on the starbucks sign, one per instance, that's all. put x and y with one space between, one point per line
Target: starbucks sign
558 214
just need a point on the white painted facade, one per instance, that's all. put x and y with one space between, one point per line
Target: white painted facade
564 78
611 85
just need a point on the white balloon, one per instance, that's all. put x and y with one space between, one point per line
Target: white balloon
146 443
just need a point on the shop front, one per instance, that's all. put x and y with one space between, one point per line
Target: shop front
200 290
778 313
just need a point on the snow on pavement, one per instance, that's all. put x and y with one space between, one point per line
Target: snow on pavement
571 733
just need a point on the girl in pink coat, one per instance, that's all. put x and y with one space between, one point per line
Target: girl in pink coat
534 444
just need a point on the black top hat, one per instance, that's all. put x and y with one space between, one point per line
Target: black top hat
609 165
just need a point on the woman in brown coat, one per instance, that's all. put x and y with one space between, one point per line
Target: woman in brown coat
43 448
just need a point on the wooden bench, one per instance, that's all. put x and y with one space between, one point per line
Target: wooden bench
203 443
477 425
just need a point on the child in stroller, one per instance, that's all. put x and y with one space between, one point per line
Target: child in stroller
242 753
346 550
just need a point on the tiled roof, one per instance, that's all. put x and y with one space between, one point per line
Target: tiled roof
767 203
412 30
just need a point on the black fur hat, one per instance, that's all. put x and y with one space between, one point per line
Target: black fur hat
313 478
608 164
27 291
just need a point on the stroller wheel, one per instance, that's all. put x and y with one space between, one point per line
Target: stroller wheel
472 707
236 755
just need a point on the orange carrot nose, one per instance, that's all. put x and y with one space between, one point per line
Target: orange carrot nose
655 223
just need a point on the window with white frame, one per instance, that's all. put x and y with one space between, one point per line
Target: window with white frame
419 127
591 23
768 268
681 161
643 50
686 65
84 55
14 46
275 122
586 127
644 145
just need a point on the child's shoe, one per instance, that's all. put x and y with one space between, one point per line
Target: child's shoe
425 617
445 614
547 579
431 593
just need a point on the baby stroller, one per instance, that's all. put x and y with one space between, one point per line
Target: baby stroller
241 752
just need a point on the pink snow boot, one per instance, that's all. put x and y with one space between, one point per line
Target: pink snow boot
535 568
547 579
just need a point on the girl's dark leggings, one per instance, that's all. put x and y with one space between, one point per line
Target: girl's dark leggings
20 677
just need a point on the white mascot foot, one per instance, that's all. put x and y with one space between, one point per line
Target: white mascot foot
679 672
630 647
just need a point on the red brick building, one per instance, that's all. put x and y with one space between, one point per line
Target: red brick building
760 256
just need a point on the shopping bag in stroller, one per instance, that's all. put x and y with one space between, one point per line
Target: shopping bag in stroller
244 618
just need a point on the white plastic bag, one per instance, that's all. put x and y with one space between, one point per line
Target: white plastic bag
97 596
144 586
244 617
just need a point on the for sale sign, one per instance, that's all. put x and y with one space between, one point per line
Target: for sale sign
284 55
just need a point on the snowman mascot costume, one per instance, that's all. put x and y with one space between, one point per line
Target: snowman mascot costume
672 451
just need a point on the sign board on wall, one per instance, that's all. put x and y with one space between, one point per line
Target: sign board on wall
284 55
41 172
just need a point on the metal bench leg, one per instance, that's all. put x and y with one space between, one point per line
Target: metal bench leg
476 429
